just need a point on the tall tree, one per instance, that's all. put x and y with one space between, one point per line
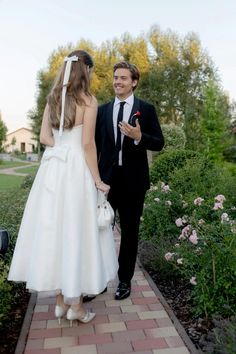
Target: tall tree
3 132
215 122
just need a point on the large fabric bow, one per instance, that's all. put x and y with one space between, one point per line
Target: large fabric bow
51 156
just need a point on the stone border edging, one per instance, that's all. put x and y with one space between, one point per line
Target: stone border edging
180 329
20 346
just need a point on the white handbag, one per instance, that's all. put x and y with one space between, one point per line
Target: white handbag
105 213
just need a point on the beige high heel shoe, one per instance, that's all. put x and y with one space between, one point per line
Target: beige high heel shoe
75 315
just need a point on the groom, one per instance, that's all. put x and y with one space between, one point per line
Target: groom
126 128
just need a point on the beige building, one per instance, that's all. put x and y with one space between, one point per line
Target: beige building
20 140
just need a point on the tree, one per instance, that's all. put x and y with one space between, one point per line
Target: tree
174 73
215 122
3 132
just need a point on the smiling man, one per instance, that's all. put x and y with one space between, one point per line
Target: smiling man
126 128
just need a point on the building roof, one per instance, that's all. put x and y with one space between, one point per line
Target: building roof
14 131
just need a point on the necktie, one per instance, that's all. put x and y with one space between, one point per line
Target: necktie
119 119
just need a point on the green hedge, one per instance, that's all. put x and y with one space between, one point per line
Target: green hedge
11 210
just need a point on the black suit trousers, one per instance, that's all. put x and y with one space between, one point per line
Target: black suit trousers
129 204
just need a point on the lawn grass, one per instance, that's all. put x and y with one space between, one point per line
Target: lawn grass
10 164
31 170
8 182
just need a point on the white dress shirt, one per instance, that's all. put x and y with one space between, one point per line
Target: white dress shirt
129 101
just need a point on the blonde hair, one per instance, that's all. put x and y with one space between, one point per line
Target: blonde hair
77 87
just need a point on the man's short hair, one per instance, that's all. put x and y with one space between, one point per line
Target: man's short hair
131 67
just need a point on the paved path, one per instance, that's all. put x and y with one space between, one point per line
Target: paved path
11 170
139 324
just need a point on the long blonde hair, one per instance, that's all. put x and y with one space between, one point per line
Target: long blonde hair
77 87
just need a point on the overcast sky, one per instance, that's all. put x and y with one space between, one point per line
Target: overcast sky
31 29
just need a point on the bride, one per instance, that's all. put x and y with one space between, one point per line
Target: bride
59 248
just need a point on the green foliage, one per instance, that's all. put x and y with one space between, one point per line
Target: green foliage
215 122
11 210
8 182
5 292
206 254
157 228
174 74
214 266
3 132
166 163
230 153
174 135
199 176
222 339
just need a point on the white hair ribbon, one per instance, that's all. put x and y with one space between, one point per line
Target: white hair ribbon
68 61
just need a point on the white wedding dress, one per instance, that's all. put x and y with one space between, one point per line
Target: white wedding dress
59 247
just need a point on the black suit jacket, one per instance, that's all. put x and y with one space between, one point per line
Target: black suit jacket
134 157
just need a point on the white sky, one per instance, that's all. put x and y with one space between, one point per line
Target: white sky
31 29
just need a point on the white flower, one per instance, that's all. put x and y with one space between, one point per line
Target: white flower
180 261
157 200
198 201
168 256
224 218
177 245
168 203
165 188
193 281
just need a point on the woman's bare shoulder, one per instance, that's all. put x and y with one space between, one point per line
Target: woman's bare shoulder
90 101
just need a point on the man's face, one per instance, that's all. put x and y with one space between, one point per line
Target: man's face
123 83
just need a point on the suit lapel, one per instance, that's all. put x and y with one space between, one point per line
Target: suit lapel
109 120
135 108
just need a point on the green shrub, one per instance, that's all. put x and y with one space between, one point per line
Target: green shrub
11 210
164 164
222 339
157 227
201 177
205 254
5 292
174 135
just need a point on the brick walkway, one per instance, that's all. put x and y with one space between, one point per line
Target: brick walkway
138 324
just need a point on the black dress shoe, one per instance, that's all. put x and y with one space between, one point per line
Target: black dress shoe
123 290
88 298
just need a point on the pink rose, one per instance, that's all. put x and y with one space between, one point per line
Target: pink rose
178 222
220 198
193 238
218 205
198 201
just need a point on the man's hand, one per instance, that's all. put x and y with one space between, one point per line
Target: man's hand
130 131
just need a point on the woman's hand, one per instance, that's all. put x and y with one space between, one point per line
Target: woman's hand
103 187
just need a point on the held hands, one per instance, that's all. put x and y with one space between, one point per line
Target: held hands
130 131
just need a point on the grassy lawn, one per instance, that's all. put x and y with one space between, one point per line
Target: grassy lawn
8 182
9 164
31 170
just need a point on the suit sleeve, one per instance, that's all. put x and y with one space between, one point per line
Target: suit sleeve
152 139
98 133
